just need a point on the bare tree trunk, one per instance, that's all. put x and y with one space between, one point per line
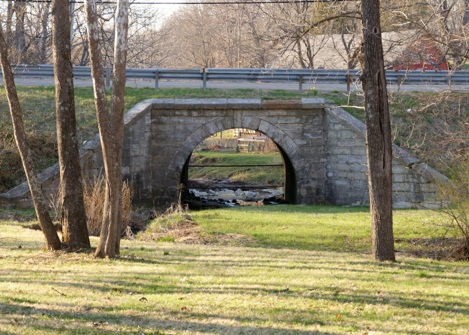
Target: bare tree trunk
9 23
20 34
44 34
74 230
110 125
51 237
378 134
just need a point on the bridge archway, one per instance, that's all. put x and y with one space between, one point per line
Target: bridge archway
289 176
180 162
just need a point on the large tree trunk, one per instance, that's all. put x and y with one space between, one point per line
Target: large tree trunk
110 125
51 237
118 94
74 230
378 134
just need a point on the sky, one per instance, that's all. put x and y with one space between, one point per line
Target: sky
165 8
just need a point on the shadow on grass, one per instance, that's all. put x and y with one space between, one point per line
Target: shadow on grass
139 292
43 320
130 283
97 322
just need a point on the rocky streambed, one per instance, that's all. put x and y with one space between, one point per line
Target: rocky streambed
202 194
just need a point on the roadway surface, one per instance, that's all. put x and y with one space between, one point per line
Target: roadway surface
341 87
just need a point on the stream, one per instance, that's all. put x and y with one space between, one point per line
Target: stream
203 194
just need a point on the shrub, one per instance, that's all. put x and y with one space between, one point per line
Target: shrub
94 194
454 196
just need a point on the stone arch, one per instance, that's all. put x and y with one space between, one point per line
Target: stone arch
178 167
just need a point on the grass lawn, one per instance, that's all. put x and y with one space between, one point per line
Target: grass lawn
261 175
285 270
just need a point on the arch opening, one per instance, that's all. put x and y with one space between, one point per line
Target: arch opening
236 167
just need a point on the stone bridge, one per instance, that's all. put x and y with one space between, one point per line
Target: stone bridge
323 150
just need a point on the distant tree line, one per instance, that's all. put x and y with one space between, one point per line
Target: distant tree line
296 34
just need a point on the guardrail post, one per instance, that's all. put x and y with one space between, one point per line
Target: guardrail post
157 77
204 78
108 77
449 81
400 81
300 79
348 79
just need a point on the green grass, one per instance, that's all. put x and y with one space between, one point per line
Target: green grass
327 228
309 272
253 175
315 286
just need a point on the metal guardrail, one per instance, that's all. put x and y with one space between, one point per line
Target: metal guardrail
299 76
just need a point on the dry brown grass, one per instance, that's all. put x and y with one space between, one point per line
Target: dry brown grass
94 194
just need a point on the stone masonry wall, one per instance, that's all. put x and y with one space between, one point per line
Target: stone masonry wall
346 167
178 126
323 146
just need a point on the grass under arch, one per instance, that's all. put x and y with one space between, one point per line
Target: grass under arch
286 282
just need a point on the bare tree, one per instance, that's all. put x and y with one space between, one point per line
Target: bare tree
73 220
20 33
232 35
143 37
27 31
48 229
262 49
378 134
43 17
443 22
196 36
349 45
305 30
111 123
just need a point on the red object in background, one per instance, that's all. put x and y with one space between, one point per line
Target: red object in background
423 54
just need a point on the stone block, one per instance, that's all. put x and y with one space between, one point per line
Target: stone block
314 103
228 122
215 126
250 122
244 103
281 104
267 128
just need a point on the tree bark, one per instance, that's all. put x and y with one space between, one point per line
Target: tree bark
44 34
48 229
118 94
20 34
378 134
110 125
9 23
74 229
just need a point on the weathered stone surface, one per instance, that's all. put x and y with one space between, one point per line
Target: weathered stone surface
281 104
323 148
